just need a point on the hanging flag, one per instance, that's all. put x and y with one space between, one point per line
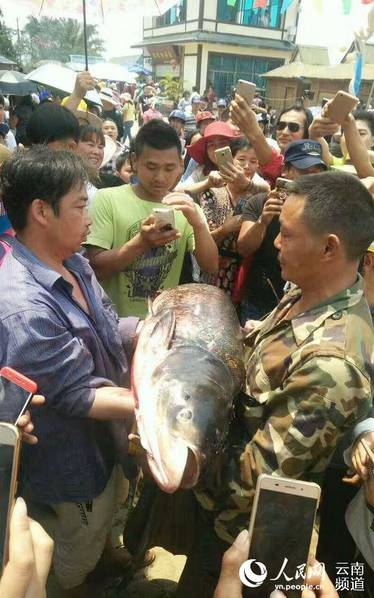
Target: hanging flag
231 2
367 1
355 84
286 5
347 5
260 3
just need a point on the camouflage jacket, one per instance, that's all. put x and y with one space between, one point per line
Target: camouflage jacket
309 380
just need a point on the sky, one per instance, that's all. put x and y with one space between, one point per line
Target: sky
330 28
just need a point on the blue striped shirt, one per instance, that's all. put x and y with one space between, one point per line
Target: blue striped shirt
46 335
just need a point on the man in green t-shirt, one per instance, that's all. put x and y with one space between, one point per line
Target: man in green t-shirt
132 257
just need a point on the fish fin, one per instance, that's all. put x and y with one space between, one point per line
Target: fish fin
150 306
163 330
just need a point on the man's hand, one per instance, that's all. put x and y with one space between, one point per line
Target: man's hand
232 224
229 584
183 203
322 127
231 173
151 236
83 83
242 116
272 207
30 556
215 179
25 424
360 459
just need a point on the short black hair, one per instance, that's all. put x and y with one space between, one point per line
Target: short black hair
39 173
308 117
158 135
239 144
122 158
338 203
87 132
2 100
366 116
51 122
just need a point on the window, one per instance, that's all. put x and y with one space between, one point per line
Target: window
241 12
176 14
224 70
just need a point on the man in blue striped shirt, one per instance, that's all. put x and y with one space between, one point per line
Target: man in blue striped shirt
59 328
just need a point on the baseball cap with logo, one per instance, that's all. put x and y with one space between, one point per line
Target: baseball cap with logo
304 153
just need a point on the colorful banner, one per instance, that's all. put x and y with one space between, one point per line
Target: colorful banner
260 3
286 5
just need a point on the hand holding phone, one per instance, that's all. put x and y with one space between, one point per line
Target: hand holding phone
16 393
9 458
339 107
280 531
223 156
246 90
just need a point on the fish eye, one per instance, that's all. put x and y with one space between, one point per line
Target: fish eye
185 415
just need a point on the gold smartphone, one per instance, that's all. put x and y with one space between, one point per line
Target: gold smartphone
246 90
280 531
9 459
223 156
341 105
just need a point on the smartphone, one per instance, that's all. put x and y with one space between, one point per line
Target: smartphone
341 105
280 531
223 156
246 90
9 458
164 218
16 392
282 183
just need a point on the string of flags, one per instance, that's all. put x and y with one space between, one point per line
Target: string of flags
286 4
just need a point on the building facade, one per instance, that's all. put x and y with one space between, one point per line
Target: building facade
219 41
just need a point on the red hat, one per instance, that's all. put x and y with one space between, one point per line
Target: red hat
200 116
197 151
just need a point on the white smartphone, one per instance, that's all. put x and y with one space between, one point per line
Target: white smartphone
280 531
9 459
246 90
164 218
341 105
223 156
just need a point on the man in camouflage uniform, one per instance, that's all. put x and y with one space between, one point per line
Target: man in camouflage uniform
309 364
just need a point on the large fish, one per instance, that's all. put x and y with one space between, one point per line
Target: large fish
187 368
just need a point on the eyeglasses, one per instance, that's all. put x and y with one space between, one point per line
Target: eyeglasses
293 127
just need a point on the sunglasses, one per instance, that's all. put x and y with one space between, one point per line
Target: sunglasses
293 127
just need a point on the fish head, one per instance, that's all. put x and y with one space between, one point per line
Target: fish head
193 393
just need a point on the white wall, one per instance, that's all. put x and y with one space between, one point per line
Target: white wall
189 75
193 9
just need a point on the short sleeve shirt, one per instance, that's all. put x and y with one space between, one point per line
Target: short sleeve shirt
117 215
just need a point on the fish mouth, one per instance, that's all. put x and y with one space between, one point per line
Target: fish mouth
180 469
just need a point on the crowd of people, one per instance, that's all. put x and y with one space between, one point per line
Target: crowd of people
82 256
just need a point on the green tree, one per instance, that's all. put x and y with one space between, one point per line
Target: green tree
6 43
56 39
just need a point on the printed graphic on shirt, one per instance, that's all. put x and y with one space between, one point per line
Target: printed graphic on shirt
149 271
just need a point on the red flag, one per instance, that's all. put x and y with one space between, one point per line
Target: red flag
366 1
260 3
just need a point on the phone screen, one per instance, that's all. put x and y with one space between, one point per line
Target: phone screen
13 400
282 530
6 465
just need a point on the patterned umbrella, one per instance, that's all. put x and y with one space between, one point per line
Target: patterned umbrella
15 83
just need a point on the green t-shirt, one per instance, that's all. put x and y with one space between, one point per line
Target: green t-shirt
117 214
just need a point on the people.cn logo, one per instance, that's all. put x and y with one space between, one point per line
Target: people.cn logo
251 578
